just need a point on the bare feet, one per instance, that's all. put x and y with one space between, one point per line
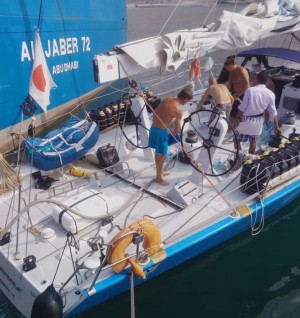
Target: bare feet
165 173
162 182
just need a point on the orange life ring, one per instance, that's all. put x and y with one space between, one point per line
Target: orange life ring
119 243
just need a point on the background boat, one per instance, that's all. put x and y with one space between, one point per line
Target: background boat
71 35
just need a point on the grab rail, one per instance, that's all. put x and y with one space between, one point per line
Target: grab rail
74 184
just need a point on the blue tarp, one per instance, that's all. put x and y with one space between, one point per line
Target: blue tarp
62 146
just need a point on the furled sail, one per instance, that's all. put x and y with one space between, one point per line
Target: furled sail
231 31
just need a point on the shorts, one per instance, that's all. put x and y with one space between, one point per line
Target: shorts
158 140
244 138
251 125
235 106
220 108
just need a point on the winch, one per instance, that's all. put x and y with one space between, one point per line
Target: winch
191 145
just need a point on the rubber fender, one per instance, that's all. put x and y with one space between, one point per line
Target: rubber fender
48 304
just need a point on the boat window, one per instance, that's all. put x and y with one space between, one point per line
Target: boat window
277 62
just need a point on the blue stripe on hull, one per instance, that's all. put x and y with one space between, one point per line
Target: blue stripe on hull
190 247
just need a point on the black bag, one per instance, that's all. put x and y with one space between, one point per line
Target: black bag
42 182
296 82
107 156
99 117
183 157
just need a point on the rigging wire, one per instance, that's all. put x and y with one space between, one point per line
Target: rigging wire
172 13
40 14
212 11
132 301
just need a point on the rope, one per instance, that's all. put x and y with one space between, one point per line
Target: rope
257 228
10 178
169 17
70 209
60 259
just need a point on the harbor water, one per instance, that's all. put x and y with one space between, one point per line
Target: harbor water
250 276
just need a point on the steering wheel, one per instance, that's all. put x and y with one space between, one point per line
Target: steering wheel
202 125
137 122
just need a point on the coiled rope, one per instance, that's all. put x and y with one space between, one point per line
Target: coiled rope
10 179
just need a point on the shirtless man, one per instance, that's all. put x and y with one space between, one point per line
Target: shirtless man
166 111
220 94
238 82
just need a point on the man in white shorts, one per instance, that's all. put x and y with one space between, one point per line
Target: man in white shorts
250 117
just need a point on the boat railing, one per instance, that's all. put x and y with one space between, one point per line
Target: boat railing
67 186
98 176
103 265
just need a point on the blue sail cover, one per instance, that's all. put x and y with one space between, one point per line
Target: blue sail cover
62 146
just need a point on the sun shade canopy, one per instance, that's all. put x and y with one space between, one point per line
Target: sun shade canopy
281 53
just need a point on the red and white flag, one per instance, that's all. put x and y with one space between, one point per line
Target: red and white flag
41 80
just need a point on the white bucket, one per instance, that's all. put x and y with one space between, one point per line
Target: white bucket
286 130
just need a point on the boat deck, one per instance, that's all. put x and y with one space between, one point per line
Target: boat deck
76 212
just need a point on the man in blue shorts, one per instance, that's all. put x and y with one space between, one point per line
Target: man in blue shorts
166 111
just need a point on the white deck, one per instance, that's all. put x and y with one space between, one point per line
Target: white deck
187 205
